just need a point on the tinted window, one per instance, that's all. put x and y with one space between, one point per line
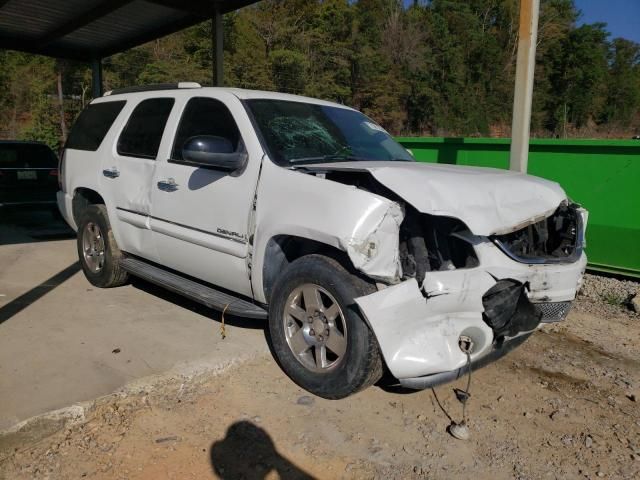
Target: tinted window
26 155
93 124
205 116
298 133
143 133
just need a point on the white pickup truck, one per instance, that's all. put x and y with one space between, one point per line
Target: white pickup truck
308 213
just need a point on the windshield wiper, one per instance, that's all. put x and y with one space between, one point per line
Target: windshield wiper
325 158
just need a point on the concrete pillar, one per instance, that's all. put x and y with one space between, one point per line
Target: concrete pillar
525 67
96 77
217 44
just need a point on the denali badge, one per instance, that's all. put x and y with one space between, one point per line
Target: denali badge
228 233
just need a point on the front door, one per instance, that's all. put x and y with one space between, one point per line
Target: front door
201 215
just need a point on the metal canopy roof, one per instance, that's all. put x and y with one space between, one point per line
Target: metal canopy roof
90 29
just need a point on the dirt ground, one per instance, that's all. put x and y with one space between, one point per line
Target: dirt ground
564 405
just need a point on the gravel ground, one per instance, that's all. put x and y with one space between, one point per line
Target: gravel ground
607 296
562 406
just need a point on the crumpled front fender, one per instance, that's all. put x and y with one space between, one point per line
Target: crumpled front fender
374 248
363 224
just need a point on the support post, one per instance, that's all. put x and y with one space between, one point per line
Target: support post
217 44
525 67
96 77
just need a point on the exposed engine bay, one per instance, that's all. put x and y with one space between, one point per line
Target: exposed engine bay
427 242
554 239
439 243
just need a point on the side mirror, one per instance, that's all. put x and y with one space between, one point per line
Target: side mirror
212 151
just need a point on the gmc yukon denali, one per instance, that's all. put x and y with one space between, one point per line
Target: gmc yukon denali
307 213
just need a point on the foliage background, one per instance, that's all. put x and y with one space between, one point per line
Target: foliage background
439 67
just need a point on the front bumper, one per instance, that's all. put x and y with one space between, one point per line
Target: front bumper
418 329
498 351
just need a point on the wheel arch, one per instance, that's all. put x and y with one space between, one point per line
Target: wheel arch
283 249
82 198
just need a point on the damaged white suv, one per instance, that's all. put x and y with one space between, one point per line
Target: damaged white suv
308 213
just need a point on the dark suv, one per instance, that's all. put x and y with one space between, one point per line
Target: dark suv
28 174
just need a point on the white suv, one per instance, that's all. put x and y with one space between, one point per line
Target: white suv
309 214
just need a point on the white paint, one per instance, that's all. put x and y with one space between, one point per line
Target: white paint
187 223
376 251
210 229
419 336
487 200
301 205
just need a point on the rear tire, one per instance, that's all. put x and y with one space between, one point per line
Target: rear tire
97 249
317 332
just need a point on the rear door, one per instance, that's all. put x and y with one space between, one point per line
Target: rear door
28 174
130 173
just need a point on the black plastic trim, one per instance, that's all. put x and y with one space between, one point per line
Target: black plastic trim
195 290
233 173
150 88
241 147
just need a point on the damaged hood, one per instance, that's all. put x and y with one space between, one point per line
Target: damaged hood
488 200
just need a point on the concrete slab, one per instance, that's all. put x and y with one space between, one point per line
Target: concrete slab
63 341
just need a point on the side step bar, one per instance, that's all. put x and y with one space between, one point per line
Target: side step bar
193 290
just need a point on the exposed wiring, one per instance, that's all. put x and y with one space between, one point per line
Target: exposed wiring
223 330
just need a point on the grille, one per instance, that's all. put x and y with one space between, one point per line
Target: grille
554 311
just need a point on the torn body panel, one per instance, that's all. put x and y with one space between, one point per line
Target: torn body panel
361 223
373 249
436 275
418 329
488 200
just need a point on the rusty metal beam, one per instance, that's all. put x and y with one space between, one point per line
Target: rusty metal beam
217 47
525 67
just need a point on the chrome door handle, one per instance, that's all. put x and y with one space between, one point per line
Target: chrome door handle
168 185
113 172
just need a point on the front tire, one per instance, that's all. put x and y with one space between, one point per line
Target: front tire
97 249
317 332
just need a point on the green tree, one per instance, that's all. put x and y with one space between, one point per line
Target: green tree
579 72
623 85
438 67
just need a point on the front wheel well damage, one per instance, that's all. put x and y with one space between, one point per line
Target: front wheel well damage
426 242
282 250
430 243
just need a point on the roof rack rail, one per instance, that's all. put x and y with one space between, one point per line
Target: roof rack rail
154 87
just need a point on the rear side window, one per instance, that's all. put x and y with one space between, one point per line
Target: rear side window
143 133
26 155
93 124
205 116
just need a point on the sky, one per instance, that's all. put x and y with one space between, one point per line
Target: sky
621 16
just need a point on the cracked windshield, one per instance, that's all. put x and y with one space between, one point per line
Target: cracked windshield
299 133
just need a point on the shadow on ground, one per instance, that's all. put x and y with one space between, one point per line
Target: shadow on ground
36 293
248 452
196 307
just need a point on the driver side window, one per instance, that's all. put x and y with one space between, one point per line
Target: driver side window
205 116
